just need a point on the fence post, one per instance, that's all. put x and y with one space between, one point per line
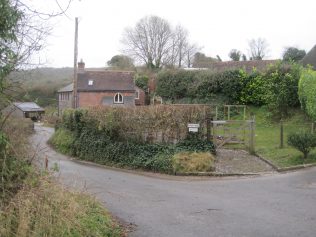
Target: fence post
281 134
228 112
208 128
252 137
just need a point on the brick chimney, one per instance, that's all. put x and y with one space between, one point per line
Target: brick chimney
81 66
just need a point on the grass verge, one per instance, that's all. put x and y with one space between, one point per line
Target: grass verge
47 209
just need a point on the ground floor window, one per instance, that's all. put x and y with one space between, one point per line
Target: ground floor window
118 98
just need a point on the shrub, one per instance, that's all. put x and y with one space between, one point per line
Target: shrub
63 140
303 141
307 92
193 162
281 86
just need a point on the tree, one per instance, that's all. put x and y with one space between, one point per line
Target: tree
244 57
179 45
200 60
190 51
121 62
293 54
258 49
149 41
235 55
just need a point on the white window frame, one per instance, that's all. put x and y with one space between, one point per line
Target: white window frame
118 101
90 82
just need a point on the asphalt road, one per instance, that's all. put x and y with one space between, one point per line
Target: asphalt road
273 205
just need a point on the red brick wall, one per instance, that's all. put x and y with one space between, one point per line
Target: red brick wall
142 96
88 99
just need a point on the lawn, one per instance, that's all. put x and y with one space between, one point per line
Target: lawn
267 138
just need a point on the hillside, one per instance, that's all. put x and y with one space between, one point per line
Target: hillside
40 84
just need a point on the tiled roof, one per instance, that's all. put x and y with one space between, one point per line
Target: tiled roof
28 106
260 65
67 88
106 81
310 58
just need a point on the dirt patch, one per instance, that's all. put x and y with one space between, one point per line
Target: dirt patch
239 161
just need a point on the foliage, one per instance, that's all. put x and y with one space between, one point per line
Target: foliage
235 55
15 157
184 162
281 86
63 140
307 92
292 54
142 81
121 62
253 88
303 141
200 60
46 209
177 84
140 138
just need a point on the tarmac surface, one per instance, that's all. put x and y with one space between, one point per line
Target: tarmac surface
160 205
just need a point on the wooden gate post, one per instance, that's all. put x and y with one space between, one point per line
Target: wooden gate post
252 137
281 135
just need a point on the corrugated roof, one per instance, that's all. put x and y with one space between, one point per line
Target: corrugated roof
28 106
67 88
106 81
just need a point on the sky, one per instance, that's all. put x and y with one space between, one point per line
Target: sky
216 25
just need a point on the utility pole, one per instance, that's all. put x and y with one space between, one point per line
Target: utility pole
75 97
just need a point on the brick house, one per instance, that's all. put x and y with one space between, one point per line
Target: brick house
101 87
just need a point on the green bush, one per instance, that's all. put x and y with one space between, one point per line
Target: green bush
303 141
63 140
307 92
281 86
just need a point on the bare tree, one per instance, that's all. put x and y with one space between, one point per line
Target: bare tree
190 51
149 41
258 49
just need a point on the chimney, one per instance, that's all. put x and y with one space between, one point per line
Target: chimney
81 65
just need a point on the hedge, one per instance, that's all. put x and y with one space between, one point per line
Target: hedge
307 92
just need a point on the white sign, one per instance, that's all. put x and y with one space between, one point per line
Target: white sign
193 127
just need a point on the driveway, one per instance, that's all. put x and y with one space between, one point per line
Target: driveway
272 205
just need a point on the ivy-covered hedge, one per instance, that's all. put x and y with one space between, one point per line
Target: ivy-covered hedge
96 135
307 92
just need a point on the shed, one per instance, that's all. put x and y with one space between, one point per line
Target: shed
24 110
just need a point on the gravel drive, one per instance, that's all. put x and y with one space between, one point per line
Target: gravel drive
239 161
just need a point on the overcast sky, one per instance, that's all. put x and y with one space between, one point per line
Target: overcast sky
216 25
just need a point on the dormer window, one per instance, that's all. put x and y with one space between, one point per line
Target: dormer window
90 82
118 98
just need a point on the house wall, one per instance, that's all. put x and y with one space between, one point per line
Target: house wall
142 98
13 111
89 99
64 101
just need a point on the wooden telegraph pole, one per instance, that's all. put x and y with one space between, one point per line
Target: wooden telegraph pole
75 102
